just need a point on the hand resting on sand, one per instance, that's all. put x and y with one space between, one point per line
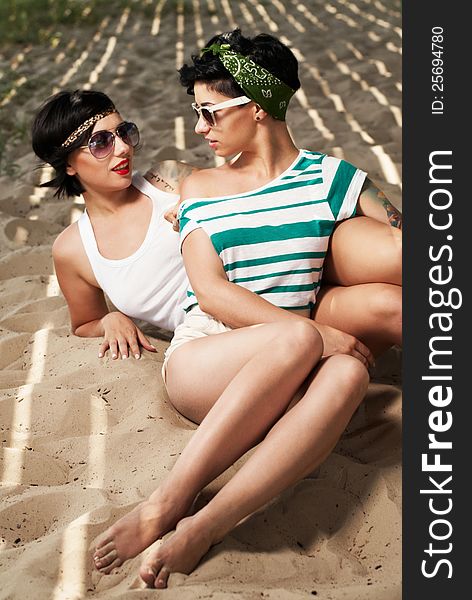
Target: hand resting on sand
122 337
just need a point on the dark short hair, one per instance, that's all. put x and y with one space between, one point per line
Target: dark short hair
264 49
55 120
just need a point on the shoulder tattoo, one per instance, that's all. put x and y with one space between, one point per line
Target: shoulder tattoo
169 174
158 180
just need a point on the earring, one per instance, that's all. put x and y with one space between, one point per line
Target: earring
258 118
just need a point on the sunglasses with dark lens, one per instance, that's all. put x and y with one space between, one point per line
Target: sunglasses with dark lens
101 143
207 112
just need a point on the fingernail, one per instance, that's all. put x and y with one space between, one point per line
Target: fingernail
124 356
113 355
100 355
137 356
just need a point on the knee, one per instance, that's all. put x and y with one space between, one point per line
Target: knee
304 340
385 304
356 373
353 374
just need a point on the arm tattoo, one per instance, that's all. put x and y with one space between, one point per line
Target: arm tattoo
394 216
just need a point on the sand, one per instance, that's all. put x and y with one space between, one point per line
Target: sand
83 439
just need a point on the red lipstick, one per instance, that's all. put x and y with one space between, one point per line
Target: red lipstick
122 168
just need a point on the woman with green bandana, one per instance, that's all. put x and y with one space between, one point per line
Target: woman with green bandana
248 363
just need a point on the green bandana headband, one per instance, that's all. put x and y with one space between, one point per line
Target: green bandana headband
265 89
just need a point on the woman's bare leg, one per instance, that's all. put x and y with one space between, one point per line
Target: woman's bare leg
354 243
372 312
363 250
361 291
298 442
268 364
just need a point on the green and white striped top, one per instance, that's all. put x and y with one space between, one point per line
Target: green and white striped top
273 240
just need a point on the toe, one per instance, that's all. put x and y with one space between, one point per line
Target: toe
161 579
103 539
103 550
114 565
149 570
106 560
148 575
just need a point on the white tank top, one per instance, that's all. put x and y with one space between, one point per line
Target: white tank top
151 284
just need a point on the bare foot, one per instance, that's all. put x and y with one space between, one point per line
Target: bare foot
181 553
137 530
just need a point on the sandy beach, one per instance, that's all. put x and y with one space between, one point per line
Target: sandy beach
83 439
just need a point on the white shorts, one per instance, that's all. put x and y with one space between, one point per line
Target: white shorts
196 324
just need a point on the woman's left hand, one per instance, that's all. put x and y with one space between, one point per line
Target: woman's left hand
122 337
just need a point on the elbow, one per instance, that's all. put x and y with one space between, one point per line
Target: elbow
207 301
77 329
205 304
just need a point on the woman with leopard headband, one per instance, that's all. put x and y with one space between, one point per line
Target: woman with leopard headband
254 235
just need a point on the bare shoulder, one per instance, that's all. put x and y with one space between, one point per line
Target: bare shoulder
69 255
67 244
167 175
204 183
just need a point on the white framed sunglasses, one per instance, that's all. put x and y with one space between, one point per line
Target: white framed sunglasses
207 112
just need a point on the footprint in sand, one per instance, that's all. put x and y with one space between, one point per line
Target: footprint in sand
32 233
34 515
12 347
31 468
16 206
27 261
44 313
